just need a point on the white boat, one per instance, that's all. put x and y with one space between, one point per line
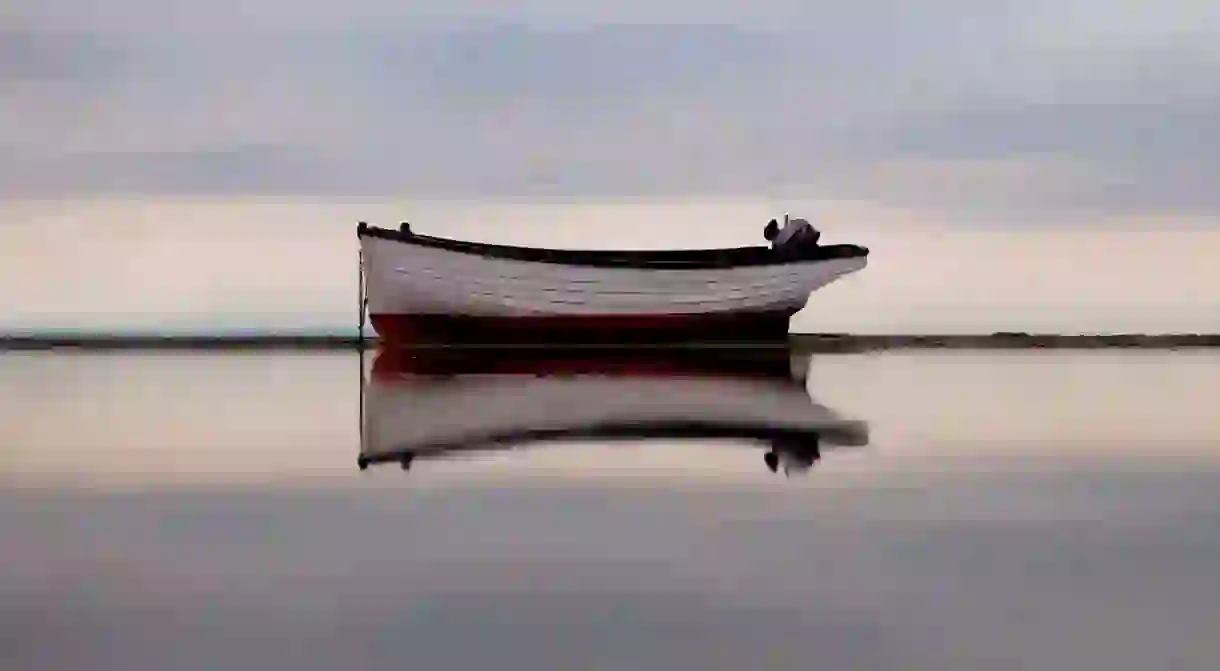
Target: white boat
438 404
423 287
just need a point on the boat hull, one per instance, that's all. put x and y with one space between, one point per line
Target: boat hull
417 292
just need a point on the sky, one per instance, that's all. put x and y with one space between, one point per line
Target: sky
912 129
1084 105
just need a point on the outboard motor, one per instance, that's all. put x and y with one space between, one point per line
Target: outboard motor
796 234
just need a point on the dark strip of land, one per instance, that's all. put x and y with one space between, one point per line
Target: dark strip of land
101 342
810 343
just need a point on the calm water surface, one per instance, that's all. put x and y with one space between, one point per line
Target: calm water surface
1011 511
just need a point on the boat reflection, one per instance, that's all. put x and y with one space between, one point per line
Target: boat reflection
440 403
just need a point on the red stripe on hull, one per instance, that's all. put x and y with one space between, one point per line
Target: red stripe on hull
397 329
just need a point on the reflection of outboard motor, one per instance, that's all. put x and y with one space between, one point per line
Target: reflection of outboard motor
795 236
794 457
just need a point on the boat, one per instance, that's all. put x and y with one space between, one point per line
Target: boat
422 288
421 404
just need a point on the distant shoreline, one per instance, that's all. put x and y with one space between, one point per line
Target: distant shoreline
803 342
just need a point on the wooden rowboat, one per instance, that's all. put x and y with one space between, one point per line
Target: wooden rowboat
419 287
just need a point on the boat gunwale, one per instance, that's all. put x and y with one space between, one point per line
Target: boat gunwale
644 259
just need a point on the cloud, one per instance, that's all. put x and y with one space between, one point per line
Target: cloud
126 17
1079 100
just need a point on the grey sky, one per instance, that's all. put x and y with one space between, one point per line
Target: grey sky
1036 106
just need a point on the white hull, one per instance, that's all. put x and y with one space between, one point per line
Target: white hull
406 279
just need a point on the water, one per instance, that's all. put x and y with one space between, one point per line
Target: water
193 511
